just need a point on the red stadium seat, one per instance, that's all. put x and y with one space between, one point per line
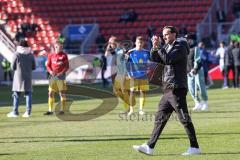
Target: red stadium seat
53 15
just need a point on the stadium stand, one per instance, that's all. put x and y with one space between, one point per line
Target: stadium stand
53 15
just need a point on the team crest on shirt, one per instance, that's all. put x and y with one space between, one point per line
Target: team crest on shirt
57 62
60 58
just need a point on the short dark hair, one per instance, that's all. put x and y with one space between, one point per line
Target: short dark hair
140 38
23 43
222 42
172 29
190 36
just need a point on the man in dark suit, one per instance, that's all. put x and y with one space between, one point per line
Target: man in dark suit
229 63
236 62
173 55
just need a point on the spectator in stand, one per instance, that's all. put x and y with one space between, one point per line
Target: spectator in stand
29 26
19 35
236 61
25 25
229 63
6 66
124 16
236 8
221 52
132 15
33 27
129 15
3 19
183 30
221 17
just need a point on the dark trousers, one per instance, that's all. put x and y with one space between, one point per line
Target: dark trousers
104 80
9 75
228 69
236 76
173 100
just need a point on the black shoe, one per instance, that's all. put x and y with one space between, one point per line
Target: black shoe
48 113
61 113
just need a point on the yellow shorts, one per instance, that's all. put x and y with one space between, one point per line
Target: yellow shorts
57 85
122 83
139 85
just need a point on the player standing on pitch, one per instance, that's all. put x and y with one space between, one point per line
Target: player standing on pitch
57 66
137 70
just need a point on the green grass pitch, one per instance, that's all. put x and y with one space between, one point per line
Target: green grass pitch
112 135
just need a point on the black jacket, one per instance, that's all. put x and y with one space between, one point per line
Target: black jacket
175 64
228 58
236 56
103 63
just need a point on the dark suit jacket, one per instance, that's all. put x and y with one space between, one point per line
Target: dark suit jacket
175 64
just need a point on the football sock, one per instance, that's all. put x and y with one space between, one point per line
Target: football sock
63 103
50 104
126 106
131 109
142 101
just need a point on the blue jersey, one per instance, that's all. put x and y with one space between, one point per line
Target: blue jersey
138 63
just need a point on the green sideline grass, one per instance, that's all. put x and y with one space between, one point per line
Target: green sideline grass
112 135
